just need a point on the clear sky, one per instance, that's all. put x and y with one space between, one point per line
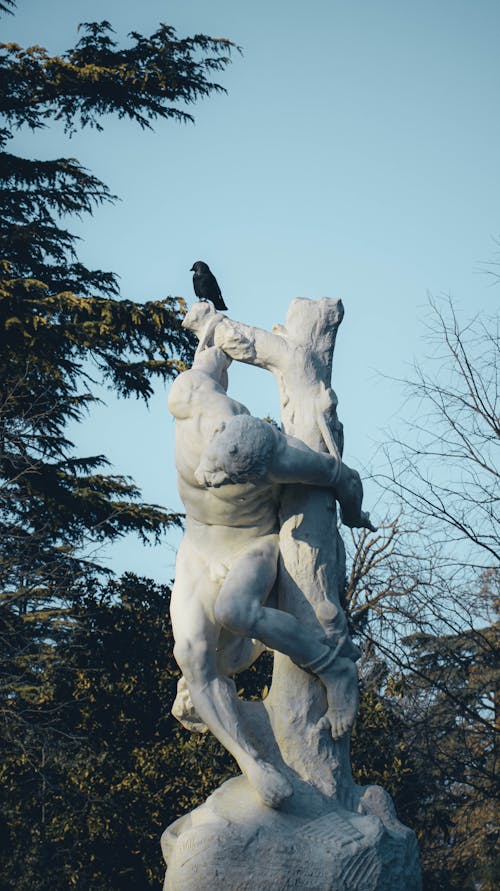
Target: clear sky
356 154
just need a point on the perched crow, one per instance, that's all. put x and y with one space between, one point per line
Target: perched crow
205 285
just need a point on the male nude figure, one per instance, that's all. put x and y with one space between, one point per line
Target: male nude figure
230 469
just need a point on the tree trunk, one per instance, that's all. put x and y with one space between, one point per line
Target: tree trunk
312 562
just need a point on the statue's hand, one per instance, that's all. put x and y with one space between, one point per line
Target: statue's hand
233 339
210 478
184 710
349 493
361 521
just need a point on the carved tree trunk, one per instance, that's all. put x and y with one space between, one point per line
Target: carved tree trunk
312 563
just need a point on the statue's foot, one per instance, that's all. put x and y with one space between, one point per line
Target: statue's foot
271 786
184 710
341 682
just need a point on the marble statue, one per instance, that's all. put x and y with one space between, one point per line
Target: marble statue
261 565
230 467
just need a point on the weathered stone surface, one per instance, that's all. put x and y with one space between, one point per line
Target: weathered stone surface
234 842
294 820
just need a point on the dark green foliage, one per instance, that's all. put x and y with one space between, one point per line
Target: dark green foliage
97 791
427 726
379 752
453 735
94 78
112 768
62 324
86 683
421 736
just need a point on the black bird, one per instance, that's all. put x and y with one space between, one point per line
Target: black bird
205 284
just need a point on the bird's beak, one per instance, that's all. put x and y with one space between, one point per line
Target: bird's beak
192 269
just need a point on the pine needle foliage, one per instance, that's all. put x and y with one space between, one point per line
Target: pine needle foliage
65 332
64 326
100 781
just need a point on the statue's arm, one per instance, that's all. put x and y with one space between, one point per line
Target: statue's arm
294 462
246 450
253 346
180 396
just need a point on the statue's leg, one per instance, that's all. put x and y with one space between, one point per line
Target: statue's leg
240 605
340 678
214 697
240 608
235 653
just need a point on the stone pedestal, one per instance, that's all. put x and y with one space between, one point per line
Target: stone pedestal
234 843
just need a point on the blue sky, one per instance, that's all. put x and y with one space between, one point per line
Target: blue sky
354 155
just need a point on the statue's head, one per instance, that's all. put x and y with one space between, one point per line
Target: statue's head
239 452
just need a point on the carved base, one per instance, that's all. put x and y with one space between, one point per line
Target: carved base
235 843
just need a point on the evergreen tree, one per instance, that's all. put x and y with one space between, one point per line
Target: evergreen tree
451 698
427 726
114 768
422 595
63 329
59 318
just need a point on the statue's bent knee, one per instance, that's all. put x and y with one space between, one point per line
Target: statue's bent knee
235 615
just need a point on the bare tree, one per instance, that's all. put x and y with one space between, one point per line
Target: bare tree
423 593
447 471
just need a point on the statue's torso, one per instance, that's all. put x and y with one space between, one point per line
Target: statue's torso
235 505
